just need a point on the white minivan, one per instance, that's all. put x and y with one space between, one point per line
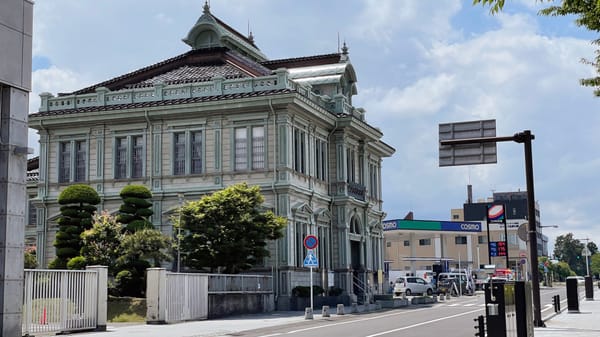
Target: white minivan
410 285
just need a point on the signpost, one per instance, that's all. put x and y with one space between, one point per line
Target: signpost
455 141
311 242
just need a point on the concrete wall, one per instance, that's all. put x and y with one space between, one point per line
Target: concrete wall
221 305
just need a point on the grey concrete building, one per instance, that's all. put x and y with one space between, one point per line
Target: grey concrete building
220 114
15 83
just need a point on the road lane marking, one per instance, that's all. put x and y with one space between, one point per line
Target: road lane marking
356 321
423 323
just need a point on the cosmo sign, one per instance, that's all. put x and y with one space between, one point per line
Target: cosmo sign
423 225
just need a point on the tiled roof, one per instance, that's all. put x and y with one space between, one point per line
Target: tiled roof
200 62
179 101
189 74
306 61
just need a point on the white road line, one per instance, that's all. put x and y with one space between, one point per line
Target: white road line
358 320
423 323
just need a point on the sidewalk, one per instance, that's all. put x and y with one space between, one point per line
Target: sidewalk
206 328
586 323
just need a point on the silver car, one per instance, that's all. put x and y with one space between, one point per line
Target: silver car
412 285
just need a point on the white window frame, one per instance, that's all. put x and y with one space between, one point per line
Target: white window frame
74 157
249 148
188 148
129 156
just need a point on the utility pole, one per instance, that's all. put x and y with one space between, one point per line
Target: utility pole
524 137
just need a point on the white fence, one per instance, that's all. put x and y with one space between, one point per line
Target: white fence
64 300
175 297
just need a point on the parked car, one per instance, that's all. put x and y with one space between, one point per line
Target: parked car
446 281
412 285
580 280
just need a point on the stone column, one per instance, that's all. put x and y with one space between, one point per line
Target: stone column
102 306
16 28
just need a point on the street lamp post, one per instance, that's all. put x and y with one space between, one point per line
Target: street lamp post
180 196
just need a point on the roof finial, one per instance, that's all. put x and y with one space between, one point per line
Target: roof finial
345 49
250 35
206 7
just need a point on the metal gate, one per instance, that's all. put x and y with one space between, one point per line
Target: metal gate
187 297
59 301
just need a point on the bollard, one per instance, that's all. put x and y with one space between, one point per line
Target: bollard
340 309
308 313
325 311
572 295
589 289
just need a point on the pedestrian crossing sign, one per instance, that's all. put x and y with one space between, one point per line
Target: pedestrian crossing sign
311 260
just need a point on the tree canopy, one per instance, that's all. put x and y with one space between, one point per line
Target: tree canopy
569 250
587 13
227 230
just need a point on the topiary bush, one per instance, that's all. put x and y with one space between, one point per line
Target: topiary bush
136 209
78 206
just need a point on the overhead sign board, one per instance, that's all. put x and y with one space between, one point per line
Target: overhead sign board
468 154
424 225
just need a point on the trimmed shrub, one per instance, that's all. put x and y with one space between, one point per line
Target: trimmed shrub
135 210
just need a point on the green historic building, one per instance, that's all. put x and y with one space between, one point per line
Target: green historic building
219 114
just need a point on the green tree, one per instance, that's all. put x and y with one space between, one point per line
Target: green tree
102 242
595 265
136 209
568 249
76 216
228 230
587 13
30 260
140 250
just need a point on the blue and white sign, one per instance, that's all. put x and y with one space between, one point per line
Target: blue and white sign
311 260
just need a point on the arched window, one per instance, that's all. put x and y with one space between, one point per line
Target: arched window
354 225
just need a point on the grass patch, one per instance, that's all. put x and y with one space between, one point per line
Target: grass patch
126 309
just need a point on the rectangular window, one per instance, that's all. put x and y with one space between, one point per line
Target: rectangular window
460 240
80 158
64 167
179 153
187 151
32 214
258 147
72 158
350 166
425 242
320 159
388 244
196 152
299 151
137 158
129 157
121 158
406 243
481 239
241 149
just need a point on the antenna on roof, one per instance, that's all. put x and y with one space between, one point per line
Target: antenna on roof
338 47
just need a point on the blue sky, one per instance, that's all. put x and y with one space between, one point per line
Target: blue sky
419 63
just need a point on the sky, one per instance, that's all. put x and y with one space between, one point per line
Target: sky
419 63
